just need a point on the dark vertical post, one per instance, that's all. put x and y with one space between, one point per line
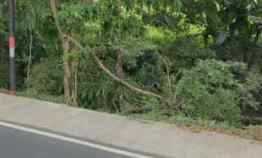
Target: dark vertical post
12 62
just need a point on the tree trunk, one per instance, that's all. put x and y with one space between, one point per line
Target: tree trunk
70 67
67 72
119 64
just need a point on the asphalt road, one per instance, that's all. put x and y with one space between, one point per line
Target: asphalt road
19 144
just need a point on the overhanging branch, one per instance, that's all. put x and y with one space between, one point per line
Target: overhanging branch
97 60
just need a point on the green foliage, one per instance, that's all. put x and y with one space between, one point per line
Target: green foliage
106 21
225 20
98 91
72 56
3 75
209 91
160 36
185 52
203 56
47 78
251 101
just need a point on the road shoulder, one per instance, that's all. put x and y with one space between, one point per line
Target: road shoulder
118 131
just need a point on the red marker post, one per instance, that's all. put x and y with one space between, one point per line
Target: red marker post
12 62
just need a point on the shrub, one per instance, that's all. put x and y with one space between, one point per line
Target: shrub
250 87
251 101
98 91
210 91
47 77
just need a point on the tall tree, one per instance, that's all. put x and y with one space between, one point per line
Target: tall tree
70 64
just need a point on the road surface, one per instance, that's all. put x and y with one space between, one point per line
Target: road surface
20 144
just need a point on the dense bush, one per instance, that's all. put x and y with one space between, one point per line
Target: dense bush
47 77
251 101
222 91
210 92
98 91
185 52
